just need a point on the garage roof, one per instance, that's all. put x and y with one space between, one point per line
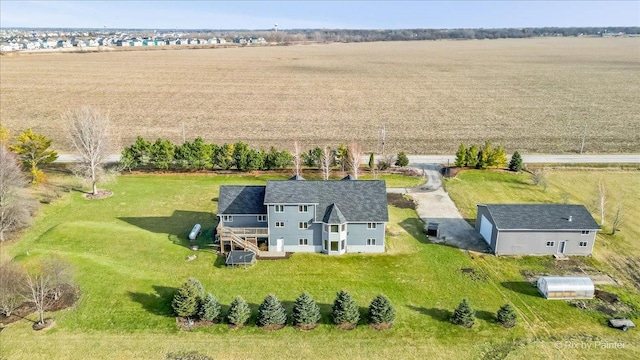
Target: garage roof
541 217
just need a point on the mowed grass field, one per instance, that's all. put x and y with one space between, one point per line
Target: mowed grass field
532 95
128 253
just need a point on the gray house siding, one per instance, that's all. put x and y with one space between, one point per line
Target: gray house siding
291 233
511 242
358 233
249 221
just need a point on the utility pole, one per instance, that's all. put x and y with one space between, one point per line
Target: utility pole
184 138
584 135
383 134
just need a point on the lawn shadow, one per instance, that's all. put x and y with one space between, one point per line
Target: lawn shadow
178 225
220 261
437 314
522 287
487 316
158 303
415 227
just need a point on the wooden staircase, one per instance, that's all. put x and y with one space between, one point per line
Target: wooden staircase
227 234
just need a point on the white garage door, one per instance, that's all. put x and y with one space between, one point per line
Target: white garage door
486 229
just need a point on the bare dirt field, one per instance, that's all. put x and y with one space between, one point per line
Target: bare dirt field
532 95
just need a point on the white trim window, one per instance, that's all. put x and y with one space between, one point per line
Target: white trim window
550 243
372 226
582 244
262 218
279 208
303 208
303 241
303 225
227 218
585 232
371 242
279 224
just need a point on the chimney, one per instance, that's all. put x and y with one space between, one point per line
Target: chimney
570 218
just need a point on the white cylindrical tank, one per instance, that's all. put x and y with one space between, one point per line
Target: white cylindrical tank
195 232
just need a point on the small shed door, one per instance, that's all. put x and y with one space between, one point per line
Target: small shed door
280 245
486 229
563 245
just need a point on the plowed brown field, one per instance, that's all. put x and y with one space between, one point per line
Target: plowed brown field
532 95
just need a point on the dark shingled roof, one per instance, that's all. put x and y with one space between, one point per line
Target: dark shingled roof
296 177
333 215
236 200
541 217
361 200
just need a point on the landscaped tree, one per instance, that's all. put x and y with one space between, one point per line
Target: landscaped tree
297 158
506 316
306 313
255 160
539 177
33 150
223 156
326 161
472 156
516 162
312 157
372 163
464 315
345 312
209 308
162 154
618 219
39 287
271 313
342 156
61 275
402 160
461 155
381 312
602 200
12 292
15 201
486 156
241 156
499 157
89 134
275 159
186 301
355 158
136 155
239 312
196 155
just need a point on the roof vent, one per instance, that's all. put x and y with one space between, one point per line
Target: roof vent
570 218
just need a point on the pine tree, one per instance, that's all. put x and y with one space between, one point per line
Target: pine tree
209 308
472 156
372 162
345 310
516 162
306 312
239 312
402 160
461 155
198 286
186 300
464 315
381 311
271 312
506 316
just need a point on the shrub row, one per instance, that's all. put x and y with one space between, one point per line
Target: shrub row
465 316
191 302
481 157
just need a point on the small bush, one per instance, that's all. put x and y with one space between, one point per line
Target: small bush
381 311
239 312
271 313
306 313
506 316
345 311
516 162
402 160
464 315
210 308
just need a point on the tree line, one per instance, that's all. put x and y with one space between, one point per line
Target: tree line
192 302
481 157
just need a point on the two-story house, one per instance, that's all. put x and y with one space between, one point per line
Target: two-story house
332 217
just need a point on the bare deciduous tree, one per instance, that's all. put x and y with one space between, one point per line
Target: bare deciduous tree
539 177
297 158
326 160
14 200
602 200
89 134
618 219
355 158
12 293
39 289
60 273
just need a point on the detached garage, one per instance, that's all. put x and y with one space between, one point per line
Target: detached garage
558 287
537 229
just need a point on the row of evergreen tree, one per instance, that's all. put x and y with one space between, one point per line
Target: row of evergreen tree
486 156
465 316
191 302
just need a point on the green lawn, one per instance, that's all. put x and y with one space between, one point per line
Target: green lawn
128 253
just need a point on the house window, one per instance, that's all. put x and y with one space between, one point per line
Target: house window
371 226
279 208
371 241
303 225
303 208
585 232
262 218
583 244
303 241
550 243
279 224
344 227
334 228
227 218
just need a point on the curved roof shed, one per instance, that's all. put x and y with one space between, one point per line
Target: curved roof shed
561 287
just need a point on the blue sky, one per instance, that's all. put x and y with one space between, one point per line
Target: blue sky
317 14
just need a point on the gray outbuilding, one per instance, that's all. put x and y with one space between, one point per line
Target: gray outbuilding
537 229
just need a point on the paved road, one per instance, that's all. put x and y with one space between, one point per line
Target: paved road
420 160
